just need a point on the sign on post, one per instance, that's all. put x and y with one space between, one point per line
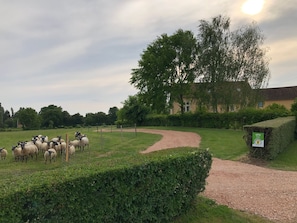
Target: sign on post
258 139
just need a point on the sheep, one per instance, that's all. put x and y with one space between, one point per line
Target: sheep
75 143
57 139
56 146
29 149
83 142
3 153
50 155
71 150
44 138
44 147
37 142
63 146
17 152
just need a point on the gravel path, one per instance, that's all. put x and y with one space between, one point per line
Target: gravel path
266 192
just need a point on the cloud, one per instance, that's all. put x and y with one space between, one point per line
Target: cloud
79 54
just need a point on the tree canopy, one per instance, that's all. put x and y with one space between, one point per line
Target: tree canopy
165 67
226 56
170 64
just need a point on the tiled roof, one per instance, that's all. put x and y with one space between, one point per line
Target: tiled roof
280 93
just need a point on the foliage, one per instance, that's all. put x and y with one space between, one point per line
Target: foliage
294 106
152 192
227 120
278 134
166 69
51 116
278 108
230 56
29 118
133 111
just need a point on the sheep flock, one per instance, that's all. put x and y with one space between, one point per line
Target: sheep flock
49 149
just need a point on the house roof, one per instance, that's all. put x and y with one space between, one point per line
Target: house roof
280 93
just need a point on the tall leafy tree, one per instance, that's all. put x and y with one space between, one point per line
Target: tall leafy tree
112 114
52 116
165 70
29 118
133 111
225 55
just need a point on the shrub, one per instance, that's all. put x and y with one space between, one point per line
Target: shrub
156 191
278 134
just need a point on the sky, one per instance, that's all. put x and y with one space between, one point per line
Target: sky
78 54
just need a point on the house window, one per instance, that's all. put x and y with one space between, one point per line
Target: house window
187 107
260 104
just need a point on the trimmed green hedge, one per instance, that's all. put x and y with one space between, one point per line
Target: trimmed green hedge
278 134
156 191
229 120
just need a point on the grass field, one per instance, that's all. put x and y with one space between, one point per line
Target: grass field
110 147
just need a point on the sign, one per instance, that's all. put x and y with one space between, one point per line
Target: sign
258 139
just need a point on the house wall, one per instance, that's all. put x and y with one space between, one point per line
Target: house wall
286 103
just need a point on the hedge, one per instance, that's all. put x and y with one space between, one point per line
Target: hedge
228 120
156 191
278 134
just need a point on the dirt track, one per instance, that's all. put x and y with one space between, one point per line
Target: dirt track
266 192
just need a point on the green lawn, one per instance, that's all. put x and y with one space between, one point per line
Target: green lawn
112 147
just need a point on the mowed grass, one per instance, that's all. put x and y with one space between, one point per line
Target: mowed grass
110 148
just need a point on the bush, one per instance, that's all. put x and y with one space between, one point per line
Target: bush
156 191
278 134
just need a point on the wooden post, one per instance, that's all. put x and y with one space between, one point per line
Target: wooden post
67 145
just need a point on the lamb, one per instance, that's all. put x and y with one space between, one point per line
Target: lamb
50 155
3 153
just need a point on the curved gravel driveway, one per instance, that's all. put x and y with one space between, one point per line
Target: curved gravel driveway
267 192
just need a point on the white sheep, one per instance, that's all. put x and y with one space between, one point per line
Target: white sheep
37 142
50 155
57 139
17 152
3 153
56 146
71 150
63 146
83 142
44 147
44 138
29 149
75 143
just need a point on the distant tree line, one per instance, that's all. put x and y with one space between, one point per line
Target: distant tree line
53 116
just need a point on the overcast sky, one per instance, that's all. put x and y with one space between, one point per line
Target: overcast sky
78 54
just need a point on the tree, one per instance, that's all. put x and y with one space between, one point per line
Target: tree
77 119
165 70
29 118
112 115
294 107
133 111
1 116
52 116
225 56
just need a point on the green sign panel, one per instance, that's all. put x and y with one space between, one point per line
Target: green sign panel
258 139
